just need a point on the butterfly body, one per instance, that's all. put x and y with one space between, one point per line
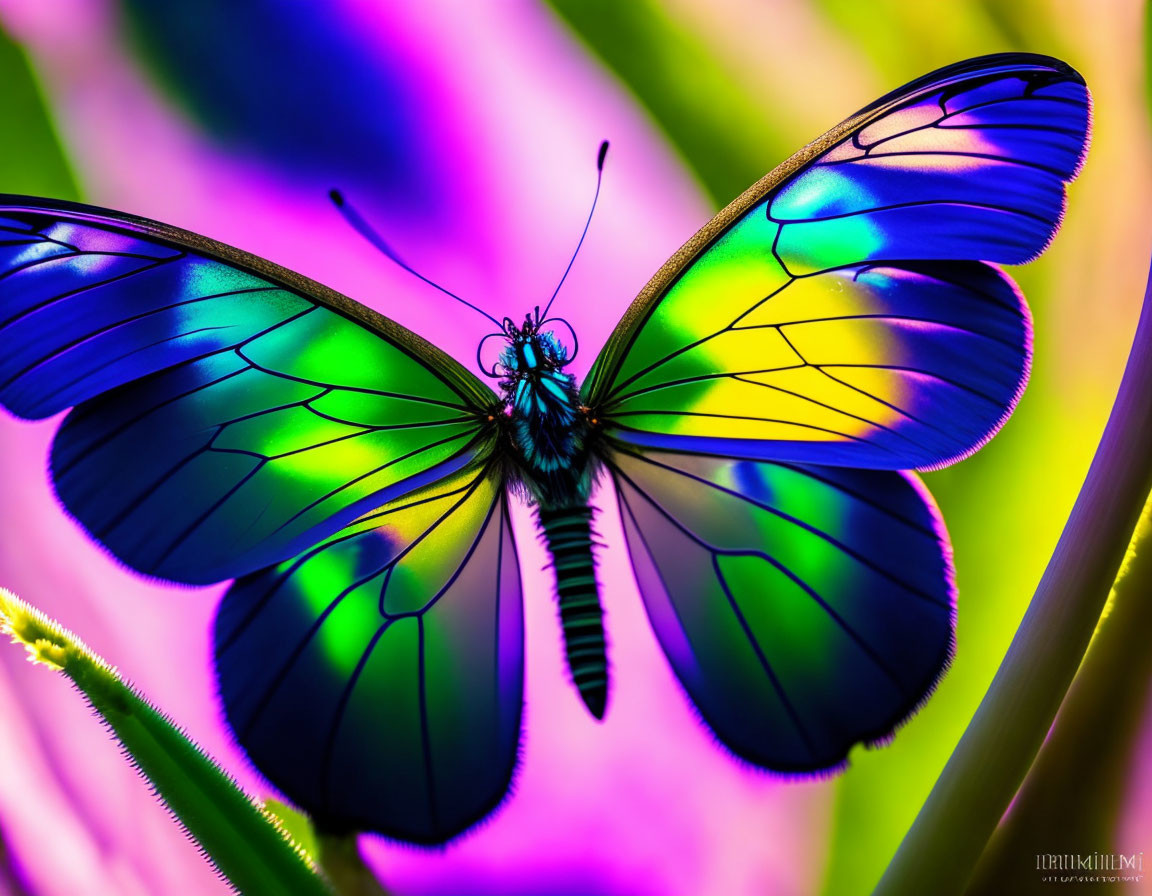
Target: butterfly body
552 439
755 414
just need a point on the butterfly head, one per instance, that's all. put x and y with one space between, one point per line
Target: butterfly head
531 351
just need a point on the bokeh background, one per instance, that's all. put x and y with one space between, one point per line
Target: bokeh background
468 133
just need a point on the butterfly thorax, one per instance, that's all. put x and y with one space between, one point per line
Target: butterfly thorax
549 428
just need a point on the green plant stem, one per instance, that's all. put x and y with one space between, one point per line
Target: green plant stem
245 844
1071 799
939 853
339 856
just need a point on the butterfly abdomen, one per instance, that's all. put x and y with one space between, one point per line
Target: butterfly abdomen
568 536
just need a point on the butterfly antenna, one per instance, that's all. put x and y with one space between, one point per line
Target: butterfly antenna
599 177
366 230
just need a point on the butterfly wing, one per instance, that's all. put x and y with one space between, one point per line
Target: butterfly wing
228 412
841 311
803 608
376 678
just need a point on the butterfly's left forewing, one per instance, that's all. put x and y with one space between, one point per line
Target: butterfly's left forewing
376 678
228 413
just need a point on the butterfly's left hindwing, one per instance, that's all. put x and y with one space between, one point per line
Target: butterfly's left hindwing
377 677
804 609
229 413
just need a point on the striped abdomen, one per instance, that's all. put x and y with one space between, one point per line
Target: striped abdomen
568 535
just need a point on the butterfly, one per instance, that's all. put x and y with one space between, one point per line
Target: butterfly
841 322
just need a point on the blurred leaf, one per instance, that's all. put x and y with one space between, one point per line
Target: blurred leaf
244 844
1071 800
939 853
1148 55
898 35
31 160
1024 24
10 882
301 86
